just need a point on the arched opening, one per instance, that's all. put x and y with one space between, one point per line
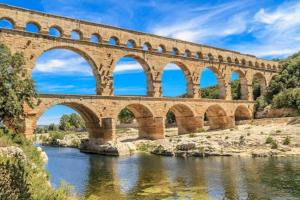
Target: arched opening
180 119
113 41
139 116
161 49
187 53
32 27
147 46
176 81
239 87
212 84
95 38
259 85
64 71
132 76
215 117
130 44
55 31
199 55
76 35
6 23
175 51
68 118
241 113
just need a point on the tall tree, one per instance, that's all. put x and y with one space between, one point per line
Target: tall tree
15 90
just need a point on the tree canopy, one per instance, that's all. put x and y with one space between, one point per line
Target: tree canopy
71 122
15 89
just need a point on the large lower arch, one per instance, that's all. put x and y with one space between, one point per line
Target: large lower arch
149 126
259 84
242 113
220 86
185 118
92 121
218 118
146 69
188 90
82 53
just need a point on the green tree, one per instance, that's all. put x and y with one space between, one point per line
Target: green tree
76 121
236 89
126 116
52 127
15 90
210 92
64 123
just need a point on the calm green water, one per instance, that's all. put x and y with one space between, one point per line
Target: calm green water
152 177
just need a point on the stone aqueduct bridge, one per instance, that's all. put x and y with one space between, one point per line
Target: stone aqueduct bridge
153 53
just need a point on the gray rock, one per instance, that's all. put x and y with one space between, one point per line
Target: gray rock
163 150
186 146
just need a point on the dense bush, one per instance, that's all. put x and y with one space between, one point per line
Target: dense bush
126 116
72 122
14 180
210 92
287 99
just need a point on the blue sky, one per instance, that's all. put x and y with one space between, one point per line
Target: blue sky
267 29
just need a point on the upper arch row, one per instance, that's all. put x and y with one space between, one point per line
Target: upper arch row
55 30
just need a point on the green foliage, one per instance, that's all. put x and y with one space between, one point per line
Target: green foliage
52 127
14 180
274 144
210 92
236 90
15 90
287 99
287 141
288 78
71 122
126 116
269 140
261 103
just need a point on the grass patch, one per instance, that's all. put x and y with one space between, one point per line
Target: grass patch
287 141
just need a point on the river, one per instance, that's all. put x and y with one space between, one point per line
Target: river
150 177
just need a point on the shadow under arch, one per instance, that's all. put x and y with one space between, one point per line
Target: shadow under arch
185 119
242 113
220 80
259 84
217 118
187 75
92 121
146 69
80 52
147 126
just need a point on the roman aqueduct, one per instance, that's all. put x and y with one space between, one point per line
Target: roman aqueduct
153 53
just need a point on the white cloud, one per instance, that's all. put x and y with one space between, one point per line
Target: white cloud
128 67
70 65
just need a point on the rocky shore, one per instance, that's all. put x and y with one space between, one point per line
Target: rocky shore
243 140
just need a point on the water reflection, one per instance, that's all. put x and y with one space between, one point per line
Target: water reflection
152 177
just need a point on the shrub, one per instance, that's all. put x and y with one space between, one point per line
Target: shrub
226 137
287 141
242 139
208 136
269 140
274 144
13 181
261 103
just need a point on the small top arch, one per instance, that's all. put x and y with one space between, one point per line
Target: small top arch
161 49
243 61
250 63
236 61
229 60
147 46
32 27
76 35
130 43
174 51
210 57
113 40
199 55
7 23
95 38
220 58
55 31
187 53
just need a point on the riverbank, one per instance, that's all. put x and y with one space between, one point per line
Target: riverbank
273 139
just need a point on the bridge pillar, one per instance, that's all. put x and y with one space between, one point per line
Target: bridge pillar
105 133
151 128
157 89
196 91
250 92
221 122
189 124
227 91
